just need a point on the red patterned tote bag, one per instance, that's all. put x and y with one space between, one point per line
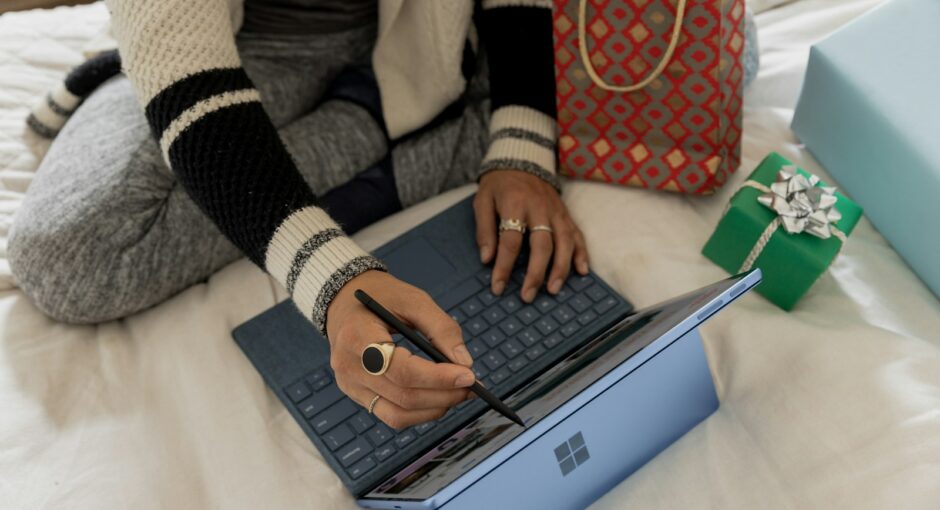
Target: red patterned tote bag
649 92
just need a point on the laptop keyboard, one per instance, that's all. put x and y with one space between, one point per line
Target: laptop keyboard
510 341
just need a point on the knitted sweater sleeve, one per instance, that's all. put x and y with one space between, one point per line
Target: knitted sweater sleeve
181 57
517 36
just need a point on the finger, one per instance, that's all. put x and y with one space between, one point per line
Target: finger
540 253
390 413
409 371
485 212
580 253
416 398
564 250
439 327
508 247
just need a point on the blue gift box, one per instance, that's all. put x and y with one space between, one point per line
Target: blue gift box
869 112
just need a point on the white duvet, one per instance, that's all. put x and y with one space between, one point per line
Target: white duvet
835 405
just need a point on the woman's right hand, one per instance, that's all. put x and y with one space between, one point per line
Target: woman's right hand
413 390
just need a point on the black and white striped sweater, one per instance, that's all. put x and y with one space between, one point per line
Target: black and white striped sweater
181 57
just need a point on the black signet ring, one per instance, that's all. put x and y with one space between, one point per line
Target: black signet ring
377 357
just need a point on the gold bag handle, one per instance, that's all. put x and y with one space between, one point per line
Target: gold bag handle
589 66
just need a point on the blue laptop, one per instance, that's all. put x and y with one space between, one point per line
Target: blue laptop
602 388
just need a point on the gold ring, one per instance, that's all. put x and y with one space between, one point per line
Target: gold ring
377 357
512 224
541 228
375 400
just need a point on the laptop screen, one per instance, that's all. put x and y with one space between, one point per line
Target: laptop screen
485 435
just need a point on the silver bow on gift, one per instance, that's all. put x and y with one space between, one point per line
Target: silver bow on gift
801 205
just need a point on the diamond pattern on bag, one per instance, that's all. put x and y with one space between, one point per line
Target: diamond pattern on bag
683 131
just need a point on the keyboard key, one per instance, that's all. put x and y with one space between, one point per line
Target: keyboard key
494 360
320 401
510 303
563 295
308 408
500 375
362 422
384 452
528 314
493 337
518 276
315 377
458 316
587 318
494 314
570 329
472 307
511 349
517 364
322 382
529 337
361 468
338 437
476 348
608 303
485 276
563 314
480 371
333 416
476 326
424 428
298 391
510 326
460 293
546 325
535 352
405 438
486 297
579 283
553 340
544 304
351 453
580 303
596 292
380 435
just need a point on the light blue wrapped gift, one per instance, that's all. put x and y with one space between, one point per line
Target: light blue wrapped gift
870 113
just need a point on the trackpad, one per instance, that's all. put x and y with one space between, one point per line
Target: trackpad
418 263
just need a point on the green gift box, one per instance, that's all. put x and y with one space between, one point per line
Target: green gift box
770 224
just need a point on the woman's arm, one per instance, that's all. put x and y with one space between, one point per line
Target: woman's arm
181 57
517 35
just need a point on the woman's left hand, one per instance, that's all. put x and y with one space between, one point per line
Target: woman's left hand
511 194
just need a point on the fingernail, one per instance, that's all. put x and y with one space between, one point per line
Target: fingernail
484 253
555 287
583 268
528 295
498 287
464 380
462 355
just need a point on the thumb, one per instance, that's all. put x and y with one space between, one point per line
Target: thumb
441 329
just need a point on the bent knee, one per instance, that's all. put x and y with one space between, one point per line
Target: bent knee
60 280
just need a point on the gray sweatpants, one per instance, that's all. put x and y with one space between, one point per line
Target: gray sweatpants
105 230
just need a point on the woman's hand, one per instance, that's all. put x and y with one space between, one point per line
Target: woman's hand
413 390
519 195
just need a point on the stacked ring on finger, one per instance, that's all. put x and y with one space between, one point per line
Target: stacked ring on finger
377 357
512 224
541 228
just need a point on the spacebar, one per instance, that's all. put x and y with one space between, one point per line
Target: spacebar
458 294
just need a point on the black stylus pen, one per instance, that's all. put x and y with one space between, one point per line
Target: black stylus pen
432 351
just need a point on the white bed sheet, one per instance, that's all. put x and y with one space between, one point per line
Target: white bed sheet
834 405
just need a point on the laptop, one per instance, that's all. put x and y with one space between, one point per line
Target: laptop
602 388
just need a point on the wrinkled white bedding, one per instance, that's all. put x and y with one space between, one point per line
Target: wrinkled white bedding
834 405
